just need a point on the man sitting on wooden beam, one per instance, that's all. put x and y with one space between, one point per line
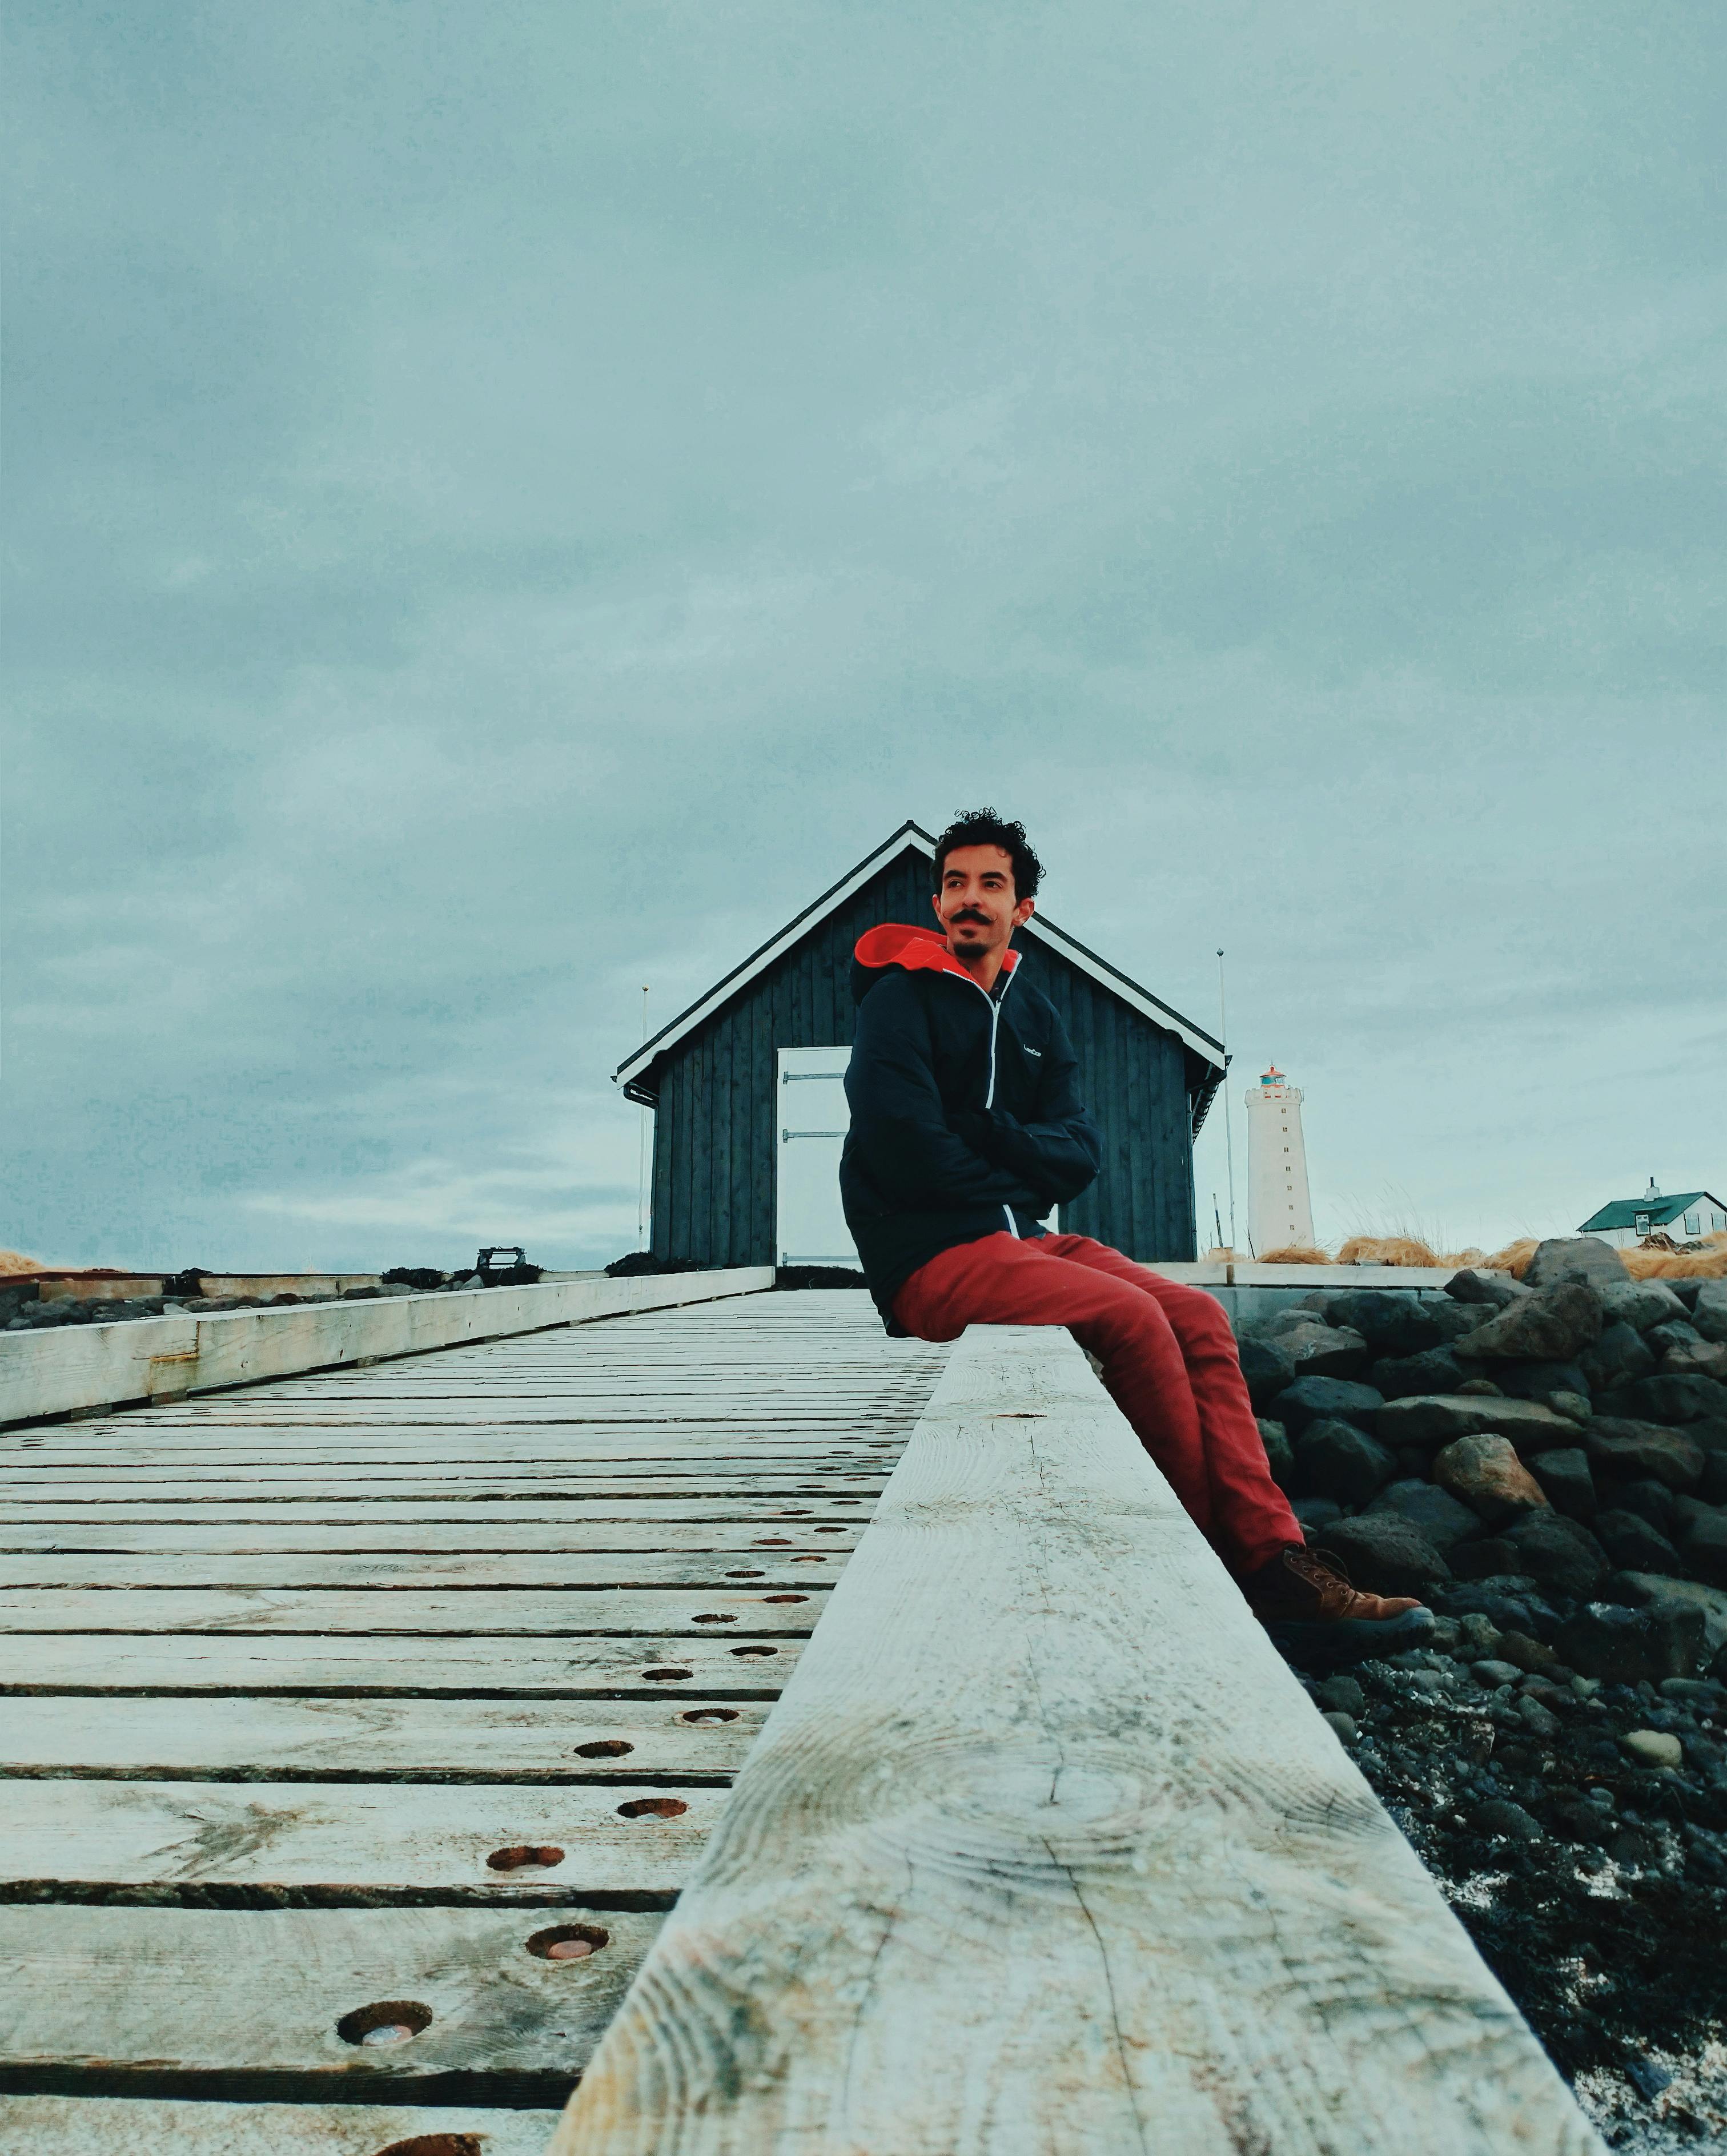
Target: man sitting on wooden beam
967 1127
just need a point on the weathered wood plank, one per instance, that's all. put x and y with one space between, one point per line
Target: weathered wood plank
360 1666
455 1740
748 1540
656 1439
785 1377
347 1455
359 1837
244 2003
723 1409
48 1372
629 1401
363 1758
835 1496
318 1612
348 1467
397 1573
1045 1850
518 1485
441 1382
841 1468
107 2125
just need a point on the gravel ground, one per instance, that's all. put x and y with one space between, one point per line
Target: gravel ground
1594 1883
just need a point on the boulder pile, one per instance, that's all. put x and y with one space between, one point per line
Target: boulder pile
1544 1463
1564 1435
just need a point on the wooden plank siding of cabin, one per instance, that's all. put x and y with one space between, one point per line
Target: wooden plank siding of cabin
717 1126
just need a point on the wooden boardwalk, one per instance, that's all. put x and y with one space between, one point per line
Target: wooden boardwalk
405 1695
1045 1852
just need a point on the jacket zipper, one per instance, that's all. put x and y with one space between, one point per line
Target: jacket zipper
995 1003
994 1019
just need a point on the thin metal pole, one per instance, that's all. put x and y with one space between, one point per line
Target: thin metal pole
1229 1126
642 1152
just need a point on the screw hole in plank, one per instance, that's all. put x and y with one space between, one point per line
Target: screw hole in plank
567 1941
436 2146
659 1808
385 2021
524 1856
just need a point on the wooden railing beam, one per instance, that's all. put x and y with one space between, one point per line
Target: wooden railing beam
63 1369
1044 1849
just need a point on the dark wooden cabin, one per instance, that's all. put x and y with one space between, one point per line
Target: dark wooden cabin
749 1113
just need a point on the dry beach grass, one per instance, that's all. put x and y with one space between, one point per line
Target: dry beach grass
1704 1260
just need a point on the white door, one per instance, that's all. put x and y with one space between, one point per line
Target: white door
814 1119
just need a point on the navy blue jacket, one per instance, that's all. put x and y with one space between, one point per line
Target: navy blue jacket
966 1115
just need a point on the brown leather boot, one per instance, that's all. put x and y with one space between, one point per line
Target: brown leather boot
1305 1601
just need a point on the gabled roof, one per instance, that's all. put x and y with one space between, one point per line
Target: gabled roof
911 837
1659 1212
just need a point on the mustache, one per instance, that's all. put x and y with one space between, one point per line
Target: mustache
981 919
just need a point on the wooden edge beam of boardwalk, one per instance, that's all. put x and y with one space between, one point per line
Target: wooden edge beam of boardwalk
1043 1849
132 1360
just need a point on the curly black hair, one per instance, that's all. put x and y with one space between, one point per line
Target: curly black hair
983 827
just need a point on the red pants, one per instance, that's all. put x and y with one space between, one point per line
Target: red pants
1170 1364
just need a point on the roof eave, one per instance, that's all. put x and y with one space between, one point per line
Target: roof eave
1210 1087
1659 1212
636 1074
639 1066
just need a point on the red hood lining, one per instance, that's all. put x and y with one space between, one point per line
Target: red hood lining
918 950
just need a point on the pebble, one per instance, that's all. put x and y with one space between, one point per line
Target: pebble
1654 1747
1649 2077
1493 1674
1344 1695
1499 1817
1704 1689
1344 1725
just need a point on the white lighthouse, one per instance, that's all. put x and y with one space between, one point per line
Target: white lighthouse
1280 1211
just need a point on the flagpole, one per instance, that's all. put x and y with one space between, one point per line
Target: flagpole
642 1152
1229 1132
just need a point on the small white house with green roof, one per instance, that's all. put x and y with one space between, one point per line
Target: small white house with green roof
1627 1221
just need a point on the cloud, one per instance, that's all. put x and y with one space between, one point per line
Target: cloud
500 513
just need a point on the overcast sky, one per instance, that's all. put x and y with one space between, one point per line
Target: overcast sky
507 502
